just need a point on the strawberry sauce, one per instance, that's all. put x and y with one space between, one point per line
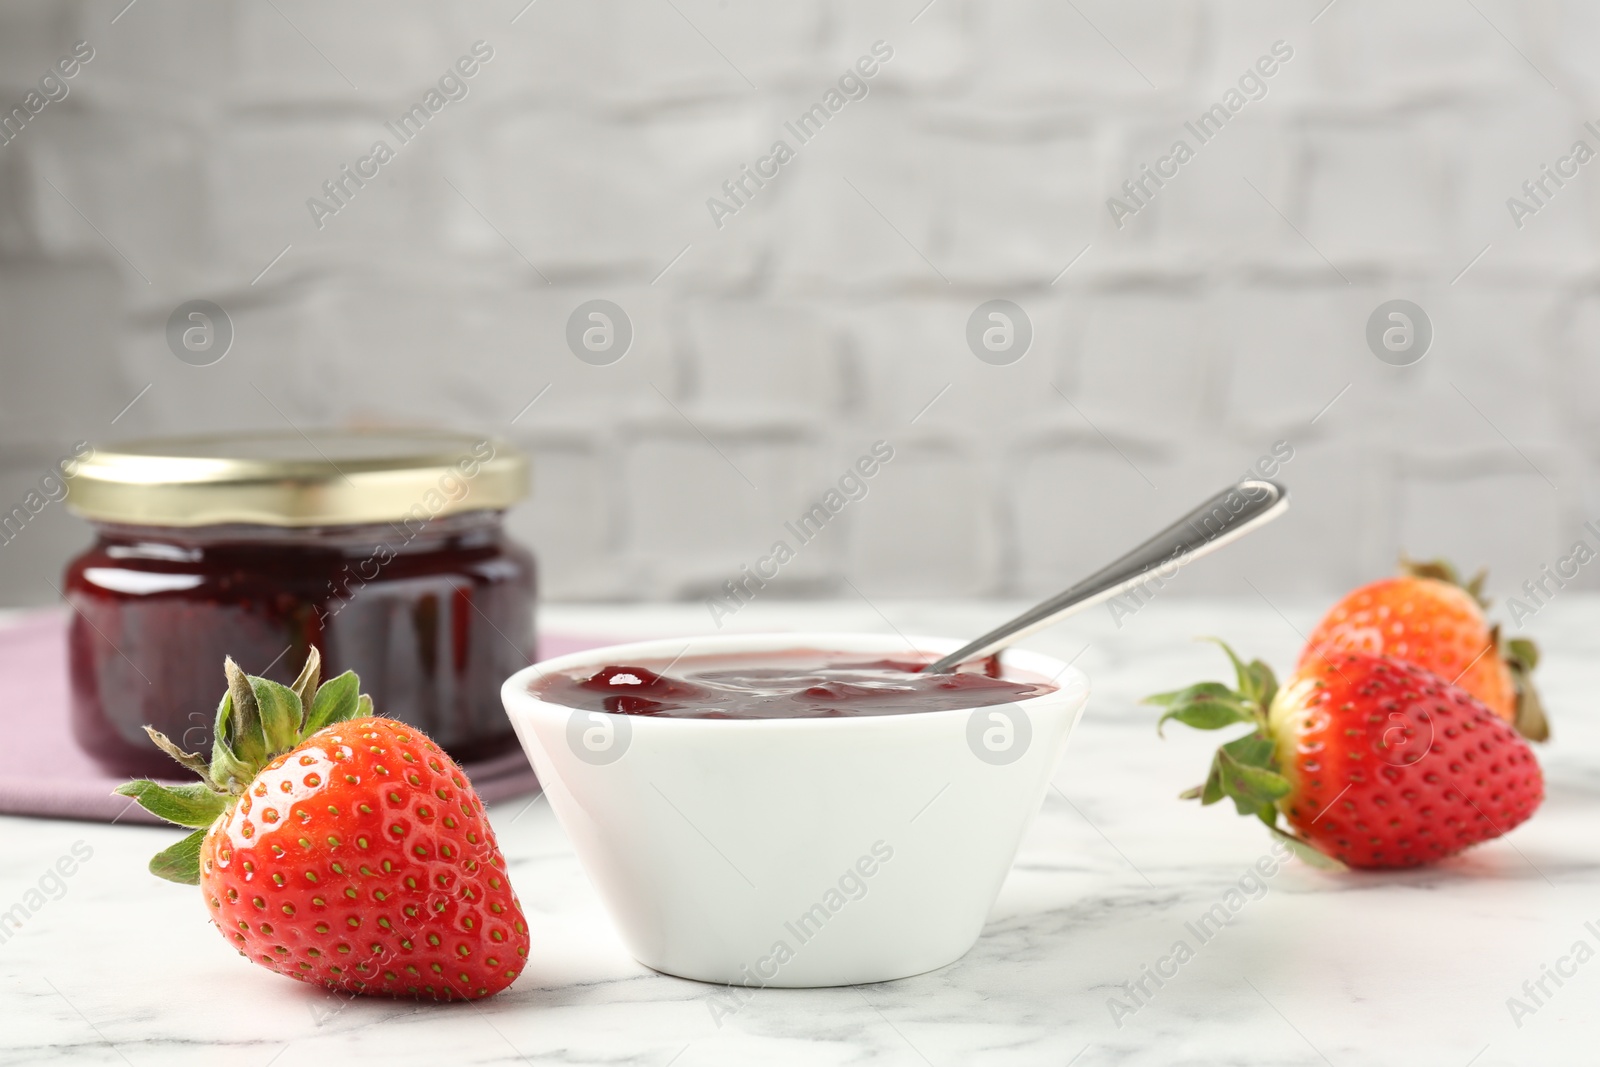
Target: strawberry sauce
802 684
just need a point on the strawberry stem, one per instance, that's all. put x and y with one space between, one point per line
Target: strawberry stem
190 760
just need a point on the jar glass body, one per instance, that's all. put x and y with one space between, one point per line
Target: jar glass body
433 619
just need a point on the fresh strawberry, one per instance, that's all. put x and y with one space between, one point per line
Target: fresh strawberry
340 848
1373 762
1426 615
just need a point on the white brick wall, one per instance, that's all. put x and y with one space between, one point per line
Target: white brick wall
828 312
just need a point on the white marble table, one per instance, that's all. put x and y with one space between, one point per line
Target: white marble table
1411 968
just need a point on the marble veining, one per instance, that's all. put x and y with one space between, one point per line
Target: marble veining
1407 968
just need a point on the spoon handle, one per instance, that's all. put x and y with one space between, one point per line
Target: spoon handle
1230 514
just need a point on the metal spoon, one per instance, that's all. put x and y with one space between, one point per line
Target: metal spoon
1232 513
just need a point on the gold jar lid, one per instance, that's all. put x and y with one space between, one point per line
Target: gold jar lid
320 478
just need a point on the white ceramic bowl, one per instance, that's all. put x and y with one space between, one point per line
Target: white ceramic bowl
796 852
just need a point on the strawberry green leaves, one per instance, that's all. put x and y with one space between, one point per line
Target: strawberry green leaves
245 736
227 770
194 804
280 711
1206 706
1256 682
1523 652
1244 770
190 760
1212 705
305 686
1522 656
1320 860
181 862
257 720
336 701
1443 570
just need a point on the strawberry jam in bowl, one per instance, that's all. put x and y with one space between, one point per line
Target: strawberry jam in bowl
795 809
794 684
384 550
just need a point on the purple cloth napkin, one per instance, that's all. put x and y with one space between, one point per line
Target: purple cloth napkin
43 772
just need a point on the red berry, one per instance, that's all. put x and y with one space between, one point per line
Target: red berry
1373 761
340 848
1428 617
1423 621
361 860
1392 766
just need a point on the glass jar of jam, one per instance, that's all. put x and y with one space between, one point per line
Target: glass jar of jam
384 550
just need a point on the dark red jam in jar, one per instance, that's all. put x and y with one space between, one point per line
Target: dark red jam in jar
384 550
798 684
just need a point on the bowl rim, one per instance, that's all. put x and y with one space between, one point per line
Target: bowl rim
1072 685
